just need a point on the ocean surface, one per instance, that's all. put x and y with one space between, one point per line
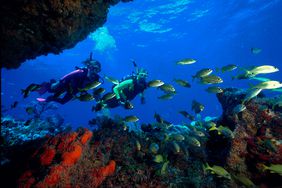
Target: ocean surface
157 34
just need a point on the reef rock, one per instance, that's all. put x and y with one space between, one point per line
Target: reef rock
257 136
66 160
32 28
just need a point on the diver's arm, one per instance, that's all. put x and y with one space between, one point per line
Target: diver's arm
118 88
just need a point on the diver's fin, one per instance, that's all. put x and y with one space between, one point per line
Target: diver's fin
41 99
134 62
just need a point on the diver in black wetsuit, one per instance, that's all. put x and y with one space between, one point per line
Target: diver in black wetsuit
69 85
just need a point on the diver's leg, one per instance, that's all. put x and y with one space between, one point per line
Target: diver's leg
117 92
123 97
63 100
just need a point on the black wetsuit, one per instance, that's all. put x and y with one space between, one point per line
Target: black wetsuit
69 85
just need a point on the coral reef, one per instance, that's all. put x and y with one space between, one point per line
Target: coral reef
17 132
37 27
234 150
40 123
66 160
257 136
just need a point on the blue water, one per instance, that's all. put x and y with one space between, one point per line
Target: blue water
156 34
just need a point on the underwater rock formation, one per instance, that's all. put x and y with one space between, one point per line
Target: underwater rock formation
257 136
66 160
32 28
119 154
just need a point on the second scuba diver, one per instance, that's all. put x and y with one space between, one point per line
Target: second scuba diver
69 85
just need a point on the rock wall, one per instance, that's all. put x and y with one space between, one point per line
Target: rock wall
38 27
257 136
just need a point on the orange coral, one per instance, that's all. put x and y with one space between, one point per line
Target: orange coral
47 156
67 148
54 175
66 140
102 173
70 158
85 137
26 180
109 169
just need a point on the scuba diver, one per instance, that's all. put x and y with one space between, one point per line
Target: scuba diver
69 85
126 90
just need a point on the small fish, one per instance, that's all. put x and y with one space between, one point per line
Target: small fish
243 76
176 147
184 113
214 89
124 127
218 170
187 115
202 73
268 85
221 130
168 88
155 83
108 96
111 79
99 106
158 118
98 91
256 50
239 108
14 105
177 137
92 85
182 83
164 168
211 79
209 124
264 69
138 145
154 148
186 61
251 94
30 88
158 158
194 142
197 107
29 110
166 96
85 97
226 68
199 133
273 168
131 119
244 181
27 122
262 79
128 105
